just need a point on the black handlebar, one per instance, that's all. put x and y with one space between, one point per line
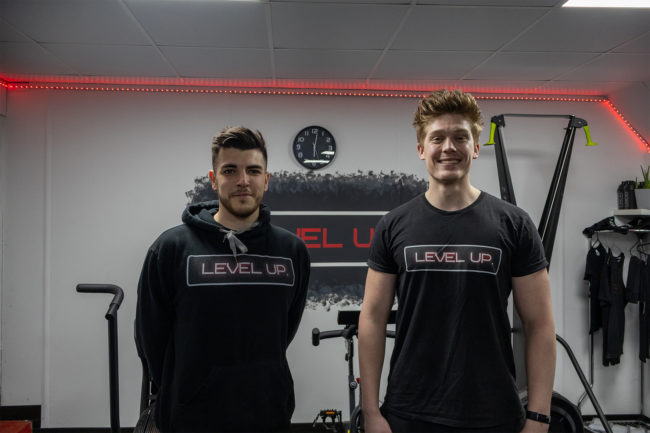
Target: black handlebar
317 335
118 293
111 316
348 332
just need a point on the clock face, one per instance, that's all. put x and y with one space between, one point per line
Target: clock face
314 147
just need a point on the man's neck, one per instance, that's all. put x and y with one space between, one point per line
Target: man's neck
235 223
451 197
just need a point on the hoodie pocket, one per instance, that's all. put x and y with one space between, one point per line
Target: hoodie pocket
250 397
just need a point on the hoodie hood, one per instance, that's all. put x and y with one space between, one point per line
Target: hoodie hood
201 215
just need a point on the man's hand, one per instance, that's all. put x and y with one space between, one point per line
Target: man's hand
375 423
534 427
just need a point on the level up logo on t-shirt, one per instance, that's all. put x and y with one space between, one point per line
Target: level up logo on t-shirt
209 270
452 258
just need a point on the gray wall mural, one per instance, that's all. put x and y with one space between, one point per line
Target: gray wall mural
335 215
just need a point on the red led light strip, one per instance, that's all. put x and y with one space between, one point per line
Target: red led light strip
300 92
311 92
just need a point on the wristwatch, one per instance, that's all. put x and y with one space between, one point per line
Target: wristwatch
546 419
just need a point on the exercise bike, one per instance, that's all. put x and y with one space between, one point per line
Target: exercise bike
331 418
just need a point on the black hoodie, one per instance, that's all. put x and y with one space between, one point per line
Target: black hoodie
215 315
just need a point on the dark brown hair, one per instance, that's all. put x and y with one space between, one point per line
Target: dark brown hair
238 137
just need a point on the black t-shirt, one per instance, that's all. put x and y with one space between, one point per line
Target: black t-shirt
452 363
594 267
634 279
644 314
612 300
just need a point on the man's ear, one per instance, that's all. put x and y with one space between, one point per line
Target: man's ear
213 179
476 149
420 151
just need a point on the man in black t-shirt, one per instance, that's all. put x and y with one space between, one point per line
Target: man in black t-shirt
453 256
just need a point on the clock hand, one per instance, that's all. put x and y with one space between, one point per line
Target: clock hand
315 140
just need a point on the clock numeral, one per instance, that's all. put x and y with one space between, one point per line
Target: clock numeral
329 140
298 147
301 139
314 131
300 155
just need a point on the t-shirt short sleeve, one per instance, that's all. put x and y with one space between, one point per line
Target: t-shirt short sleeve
529 257
381 258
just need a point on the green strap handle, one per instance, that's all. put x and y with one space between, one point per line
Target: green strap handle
493 128
588 135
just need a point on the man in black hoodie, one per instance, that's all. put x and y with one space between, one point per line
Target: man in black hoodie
220 299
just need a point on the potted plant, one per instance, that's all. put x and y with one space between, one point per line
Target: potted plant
642 191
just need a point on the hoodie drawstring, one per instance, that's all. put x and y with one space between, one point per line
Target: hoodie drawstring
233 241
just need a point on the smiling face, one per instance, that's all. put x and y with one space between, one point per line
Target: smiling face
448 149
240 178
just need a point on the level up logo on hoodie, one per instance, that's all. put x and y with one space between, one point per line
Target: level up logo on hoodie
214 270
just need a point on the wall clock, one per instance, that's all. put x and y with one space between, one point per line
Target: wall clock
314 147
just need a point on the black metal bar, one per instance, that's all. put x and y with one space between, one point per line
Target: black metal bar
352 382
551 215
505 180
114 381
117 292
111 317
557 116
585 383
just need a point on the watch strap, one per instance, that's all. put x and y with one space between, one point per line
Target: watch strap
546 419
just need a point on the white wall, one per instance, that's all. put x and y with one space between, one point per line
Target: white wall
92 178
2 147
634 103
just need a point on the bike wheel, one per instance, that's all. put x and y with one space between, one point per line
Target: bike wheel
356 421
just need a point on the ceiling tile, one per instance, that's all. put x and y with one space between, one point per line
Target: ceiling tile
583 29
324 63
72 21
9 34
334 26
636 45
202 23
29 58
422 65
219 62
613 67
463 28
112 60
528 66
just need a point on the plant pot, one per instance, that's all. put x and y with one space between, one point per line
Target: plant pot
642 198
